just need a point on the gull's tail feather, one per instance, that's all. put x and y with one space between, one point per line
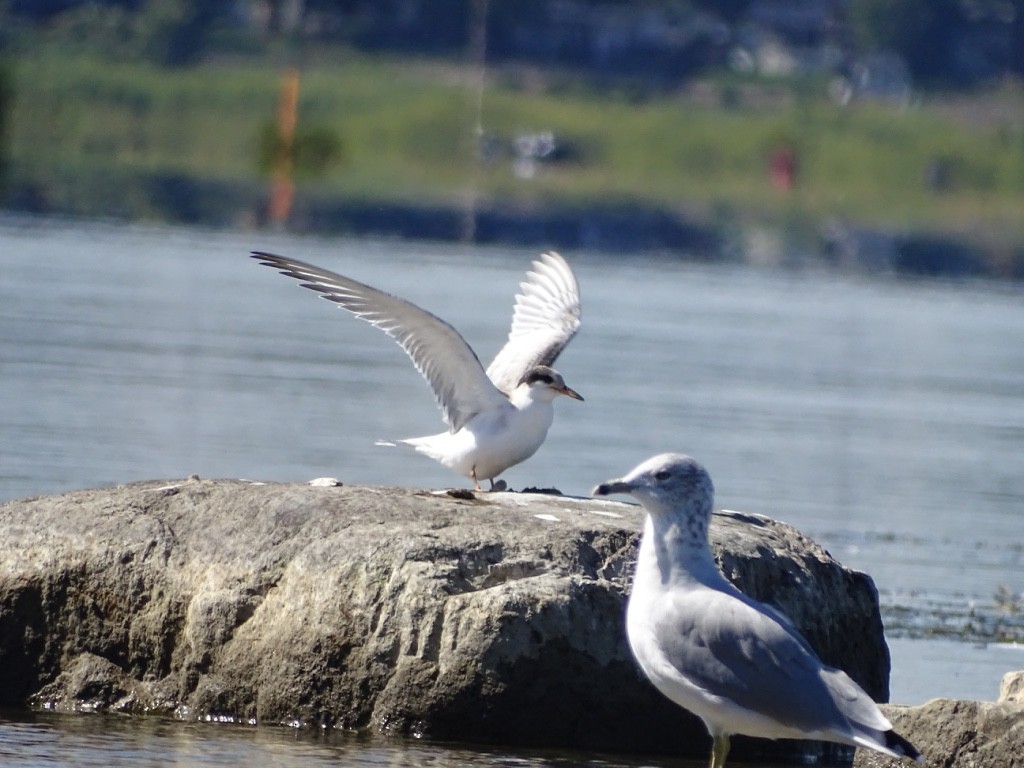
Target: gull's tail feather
902 747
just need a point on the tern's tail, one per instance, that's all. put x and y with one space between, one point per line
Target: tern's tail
388 443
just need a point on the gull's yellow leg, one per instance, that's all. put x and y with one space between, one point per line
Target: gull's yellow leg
719 750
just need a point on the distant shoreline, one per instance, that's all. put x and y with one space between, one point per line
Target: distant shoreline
755 170
624 227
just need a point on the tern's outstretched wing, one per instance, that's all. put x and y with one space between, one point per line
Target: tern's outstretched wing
545 318
444 358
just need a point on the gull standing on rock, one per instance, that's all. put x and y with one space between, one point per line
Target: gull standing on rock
496 418
739 665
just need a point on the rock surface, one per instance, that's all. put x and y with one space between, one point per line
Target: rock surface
974 734
1011 688
496 618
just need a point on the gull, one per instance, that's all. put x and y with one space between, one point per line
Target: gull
738 664
496 418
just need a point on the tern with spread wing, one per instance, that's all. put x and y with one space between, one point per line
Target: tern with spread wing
496 418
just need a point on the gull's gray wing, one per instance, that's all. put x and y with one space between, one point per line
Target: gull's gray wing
728 646
545 318
444 358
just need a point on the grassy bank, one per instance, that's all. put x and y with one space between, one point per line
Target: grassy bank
405 133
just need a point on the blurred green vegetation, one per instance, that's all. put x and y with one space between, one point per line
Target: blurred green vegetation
6 107
312 151
406 126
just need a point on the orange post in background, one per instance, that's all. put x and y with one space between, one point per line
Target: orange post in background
282 188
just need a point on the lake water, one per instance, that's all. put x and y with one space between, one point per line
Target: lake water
45 740
884 418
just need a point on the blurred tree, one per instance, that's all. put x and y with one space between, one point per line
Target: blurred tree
167 32
923 32
6 101
91 27
42 10
176 32
1016 63
285 16
729 10
312 152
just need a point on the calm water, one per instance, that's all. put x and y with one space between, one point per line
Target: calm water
883 418
44 740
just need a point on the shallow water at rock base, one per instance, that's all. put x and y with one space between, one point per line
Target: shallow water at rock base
84 740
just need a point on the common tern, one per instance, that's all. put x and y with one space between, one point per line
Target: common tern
496 418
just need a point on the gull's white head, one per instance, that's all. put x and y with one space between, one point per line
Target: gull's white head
669 484
547 384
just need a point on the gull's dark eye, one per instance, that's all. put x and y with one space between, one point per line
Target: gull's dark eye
662 474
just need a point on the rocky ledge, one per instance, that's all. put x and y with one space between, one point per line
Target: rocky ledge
950 733
495 617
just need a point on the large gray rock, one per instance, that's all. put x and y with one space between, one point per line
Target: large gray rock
495 618
1011 688
949 732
